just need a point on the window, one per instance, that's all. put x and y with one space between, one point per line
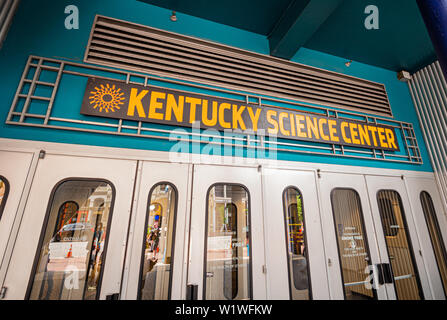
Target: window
299 282
353 249
435 236
70 258
4 191
227 254
158 248
406 279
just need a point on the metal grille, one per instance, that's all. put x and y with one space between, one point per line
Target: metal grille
35 105
428 89
130 46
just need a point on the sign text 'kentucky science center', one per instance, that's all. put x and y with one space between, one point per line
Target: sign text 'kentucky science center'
114 99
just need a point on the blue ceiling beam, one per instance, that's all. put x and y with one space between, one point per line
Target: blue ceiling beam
297 25
434 13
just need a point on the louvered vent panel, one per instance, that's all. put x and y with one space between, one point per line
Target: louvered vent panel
130 46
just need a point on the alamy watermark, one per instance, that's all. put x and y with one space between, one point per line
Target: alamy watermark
72 20
372 20
229 147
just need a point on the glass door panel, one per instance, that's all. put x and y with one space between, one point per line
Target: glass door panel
226 245
400 252
397 236
352 244
354 256
74 228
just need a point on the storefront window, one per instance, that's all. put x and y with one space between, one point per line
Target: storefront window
406 280
71 255
296 245
435 236
158 248
4 190
227 256
352 244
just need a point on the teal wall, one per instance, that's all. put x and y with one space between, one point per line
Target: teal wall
38 29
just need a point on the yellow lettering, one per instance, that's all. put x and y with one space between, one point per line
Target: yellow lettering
222 122
172 105
390 137
322 121
292 124
209 122
373 130
192 111
154 105
354 133
281 117
300 126
135 101
237 117
333 131
343 126
254 117
364 135
382 137
272 121
312 126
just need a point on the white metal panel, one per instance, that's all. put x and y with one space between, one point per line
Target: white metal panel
153 173
328 182
14 166
50 171
428 89
204 177
377 183
275 181
415 187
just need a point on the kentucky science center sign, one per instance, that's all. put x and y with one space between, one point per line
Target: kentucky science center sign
113 99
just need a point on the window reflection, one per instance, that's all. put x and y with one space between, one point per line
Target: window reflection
4 189
71 255
159 243
296 245
352 244
227 272
435 236
406 279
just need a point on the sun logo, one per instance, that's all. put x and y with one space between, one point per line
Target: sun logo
107 98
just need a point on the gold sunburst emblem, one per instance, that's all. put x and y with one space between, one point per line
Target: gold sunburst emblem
107 98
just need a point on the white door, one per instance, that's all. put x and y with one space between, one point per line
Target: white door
72 239
397 234
14 169
350 240
433 240
294 238
226 236
155 267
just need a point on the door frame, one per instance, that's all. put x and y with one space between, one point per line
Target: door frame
39 148
136 236
379 183
356 183
26 263
45 226
197 260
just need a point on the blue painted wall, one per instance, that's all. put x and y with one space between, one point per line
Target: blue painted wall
38 29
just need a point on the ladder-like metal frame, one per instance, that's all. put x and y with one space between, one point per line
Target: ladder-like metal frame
31 77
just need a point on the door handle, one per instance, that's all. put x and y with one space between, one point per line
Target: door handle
388 273
380 275
113 296
191 291
385 273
